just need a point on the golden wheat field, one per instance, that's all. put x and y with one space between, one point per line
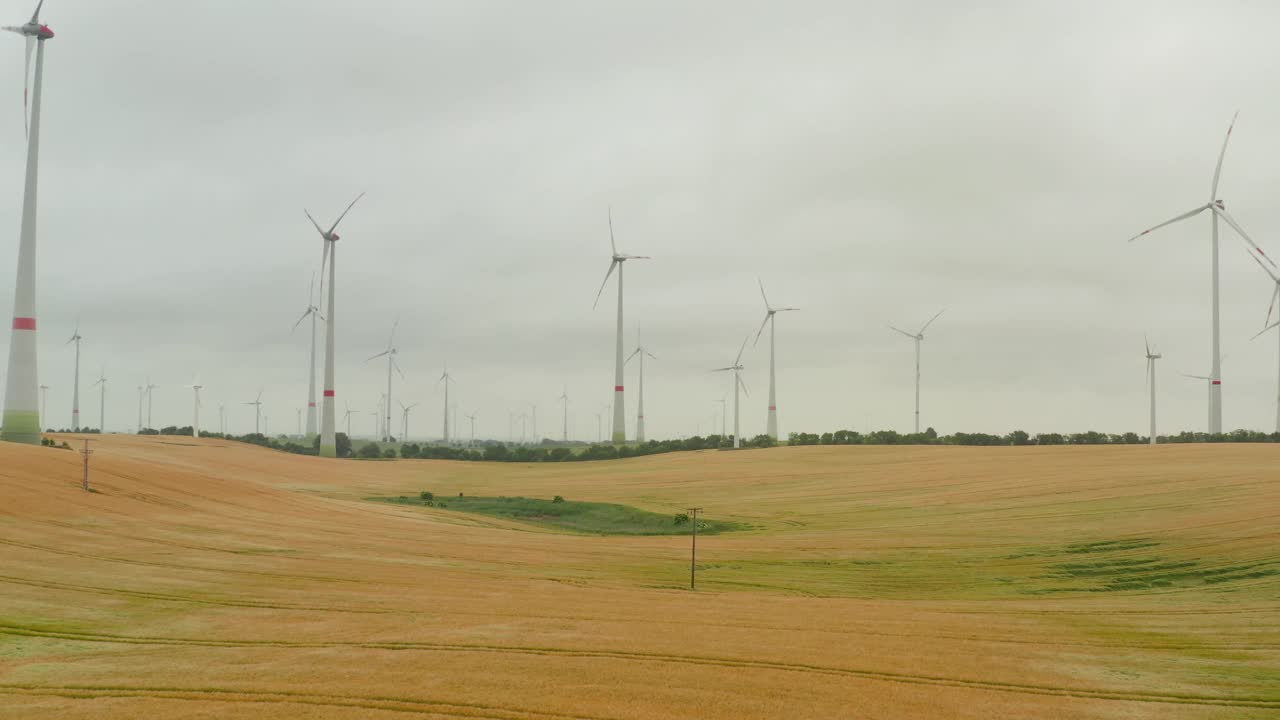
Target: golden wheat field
208 579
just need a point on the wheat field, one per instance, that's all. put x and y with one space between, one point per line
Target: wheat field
208 579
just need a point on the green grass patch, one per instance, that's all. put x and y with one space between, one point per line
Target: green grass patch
571 515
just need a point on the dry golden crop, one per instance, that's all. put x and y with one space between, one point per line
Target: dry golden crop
207 579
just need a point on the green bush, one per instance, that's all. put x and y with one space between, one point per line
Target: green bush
558 499
369 451
427 495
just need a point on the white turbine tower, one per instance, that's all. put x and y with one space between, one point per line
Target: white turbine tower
257 413
390 355
1208 381
328 429
347 417
446 378
313 312
150 391
723 414
102 400
641 351
1217 210
737 368
21 421
196 387
918 338
76 337
564 398
619 397
769 319
1151 385
404 423
472 418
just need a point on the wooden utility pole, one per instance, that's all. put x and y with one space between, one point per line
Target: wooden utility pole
693 557
86 452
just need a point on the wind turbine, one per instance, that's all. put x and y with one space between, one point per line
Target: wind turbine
737 368
564 397
619 397
102 401
141 394
769 319
222 419
1151 385
534 434
44 400
1208 380
257 413
390 354
313 312
195 422
350 412
723 414
918 337
150 389
472 418
446 378
404 425
328 431
75 387
1217 210
640 351
21 421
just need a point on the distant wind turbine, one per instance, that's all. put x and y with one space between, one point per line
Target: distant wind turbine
472 418
196 387
641 351
21 422
723 415
150 390
257 413
1151 386
918 338
446 378
404 424
1268 325
1217 210
76 337
328 428
564 398
313 312
770 320
347 417
737 369
102 400
390 355
619 397
44 400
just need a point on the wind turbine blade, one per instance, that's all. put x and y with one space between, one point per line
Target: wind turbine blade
612 265
1147 343
324 261
1264 267
744 386
646 352
1183 216
1203 377
904 332
767 315
344 213
1217 170
1263 331
745 340
304 317
1274 296
394 325
1222 212
35 17
766 297
778 310
720 369
935 317
375 357
613 245
628 360
396 365
318 229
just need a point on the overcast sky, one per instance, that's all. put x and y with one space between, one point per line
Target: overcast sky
871 162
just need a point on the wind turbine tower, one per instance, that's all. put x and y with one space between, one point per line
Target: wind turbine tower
102 401
21 421
770 313
328 431
447 379
1151 385
313 312
257 413
619 397
390 355
641 351
918 338
564 398
75 385
1217 210
737 369
196 387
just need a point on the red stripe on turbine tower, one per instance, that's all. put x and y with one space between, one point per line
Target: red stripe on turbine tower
773 407
311 404
328 393
617 388
1217 382
21 323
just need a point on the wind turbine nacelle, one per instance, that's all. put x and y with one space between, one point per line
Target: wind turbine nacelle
43 32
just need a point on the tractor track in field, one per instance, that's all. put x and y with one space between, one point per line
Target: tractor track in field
415 706
1264 702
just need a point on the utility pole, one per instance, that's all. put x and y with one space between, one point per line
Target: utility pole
693 557
86 452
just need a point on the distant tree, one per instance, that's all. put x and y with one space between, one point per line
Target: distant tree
410 450
1019 437
369 451
930 433
389 453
